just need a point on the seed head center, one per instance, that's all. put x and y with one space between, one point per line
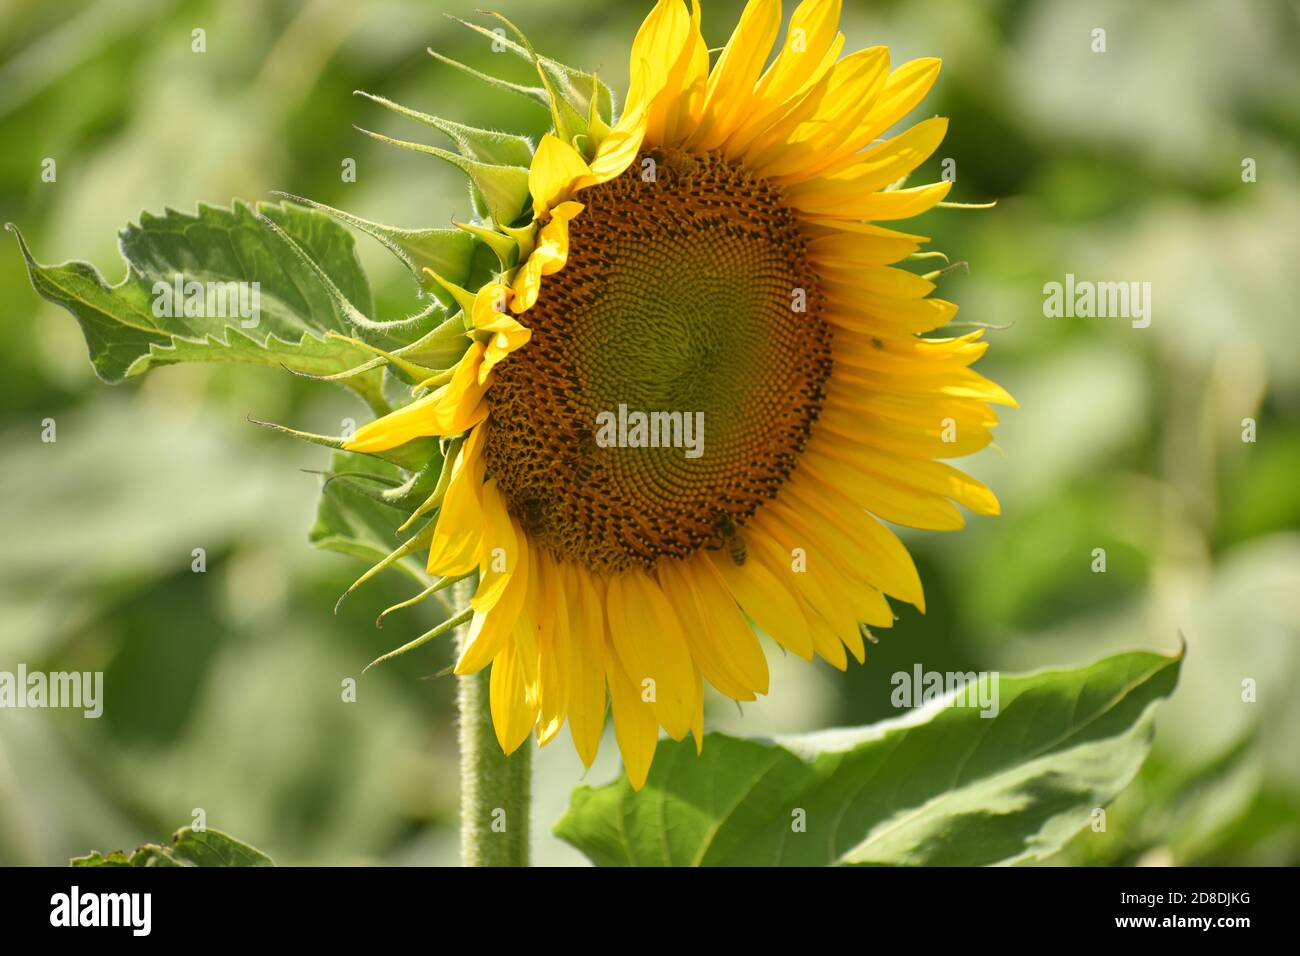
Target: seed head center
687 293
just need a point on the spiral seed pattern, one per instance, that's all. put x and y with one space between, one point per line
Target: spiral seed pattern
687 289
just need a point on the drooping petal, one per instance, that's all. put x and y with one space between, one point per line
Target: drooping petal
458 532
620 147
554 650
648 639
513 715
500 548
761 596
587 688
635 727
450 410
491 627
717 630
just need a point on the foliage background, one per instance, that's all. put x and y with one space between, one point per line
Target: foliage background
222 689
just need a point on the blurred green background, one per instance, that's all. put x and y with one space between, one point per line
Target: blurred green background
223 688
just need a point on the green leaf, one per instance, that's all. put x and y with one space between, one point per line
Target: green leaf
215 247
233 244
939 786
189 847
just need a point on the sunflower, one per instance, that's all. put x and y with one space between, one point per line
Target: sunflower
716 253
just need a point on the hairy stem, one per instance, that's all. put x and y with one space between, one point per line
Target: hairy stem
494 788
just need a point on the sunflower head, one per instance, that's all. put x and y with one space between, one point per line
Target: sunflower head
696 383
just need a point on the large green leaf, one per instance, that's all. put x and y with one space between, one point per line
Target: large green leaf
216 246
940 786
189 847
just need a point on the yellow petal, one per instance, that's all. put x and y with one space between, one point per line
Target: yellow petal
834 569
587 687
818 121
871 547
450 410
723 645
490 629
867 245
884 317
732 81
933 477
459 529
901 91
505 333
874 169
880 281
915 409
655 52
512 714
873 206
547 258
764 599
557 173
831 605
814 604
490 303
683 99
648 639
554 655
908 356
531 620
507 336
670 67
635 726
951 431
811 33
894 502
619 148
787 110
904 89
499 548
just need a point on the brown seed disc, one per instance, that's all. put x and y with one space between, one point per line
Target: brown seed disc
681 294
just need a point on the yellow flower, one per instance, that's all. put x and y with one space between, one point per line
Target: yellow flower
715 258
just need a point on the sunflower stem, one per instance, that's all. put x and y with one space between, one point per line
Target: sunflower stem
494 788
